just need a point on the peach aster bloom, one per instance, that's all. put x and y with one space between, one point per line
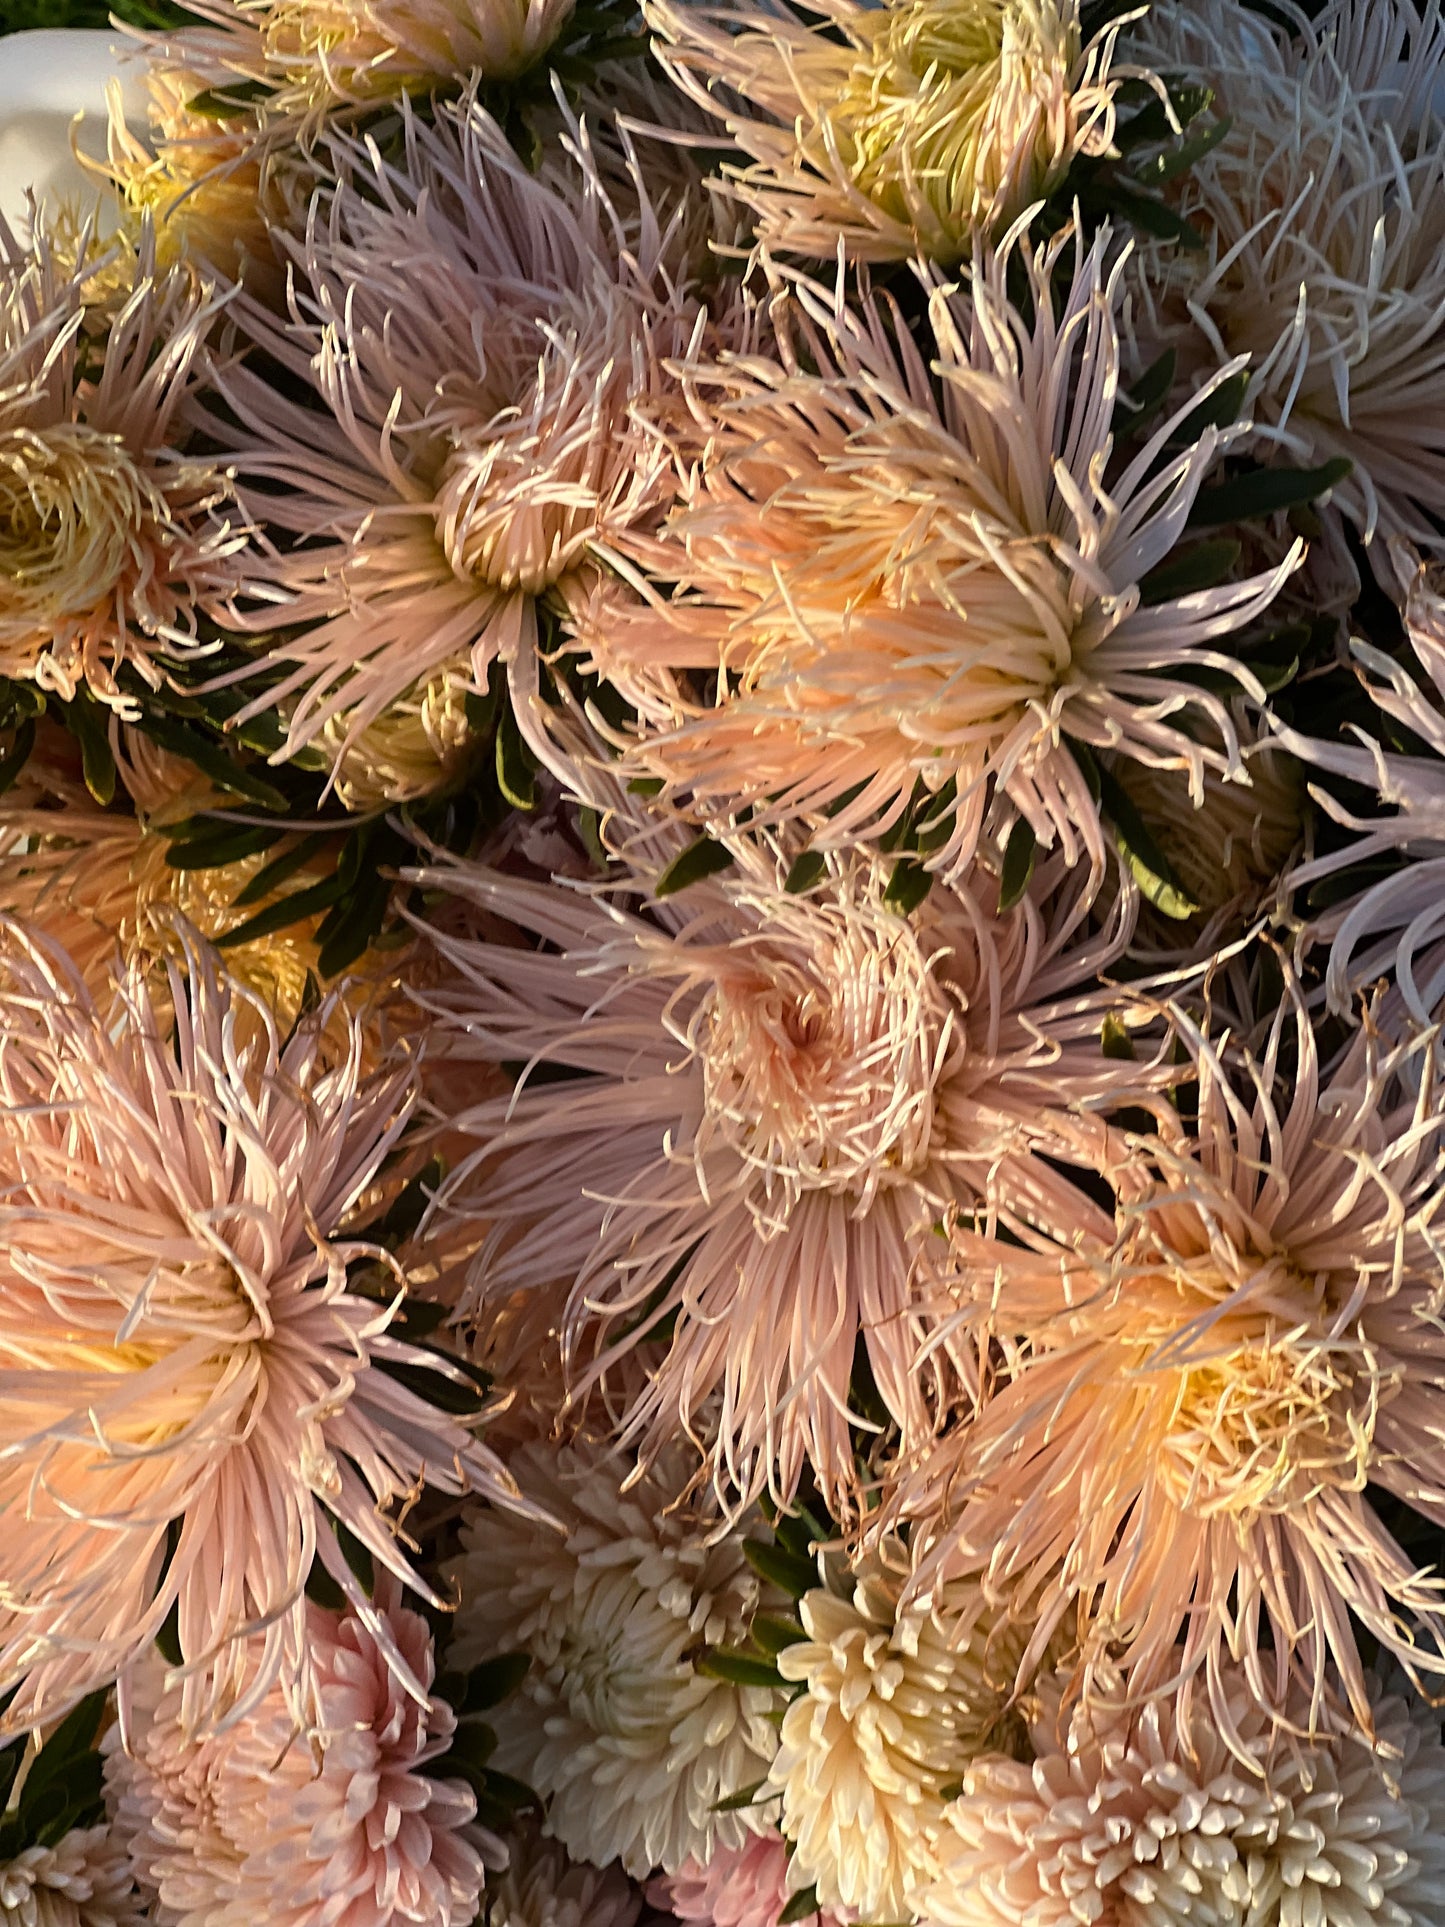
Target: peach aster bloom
252 1824
895 130
630 1745
190 1392
475 339
900 573
761 1107
1194 1394
110 540
1146 1818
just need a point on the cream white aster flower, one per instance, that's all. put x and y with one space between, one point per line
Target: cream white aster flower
84 1880
629 1744
896 1703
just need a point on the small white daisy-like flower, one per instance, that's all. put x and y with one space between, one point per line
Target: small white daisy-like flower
628 1743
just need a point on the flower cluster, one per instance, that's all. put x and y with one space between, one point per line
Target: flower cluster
722 969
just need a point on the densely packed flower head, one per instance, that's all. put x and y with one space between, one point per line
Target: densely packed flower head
913 567
113 539
800 1091
900 130
473 339
192 1393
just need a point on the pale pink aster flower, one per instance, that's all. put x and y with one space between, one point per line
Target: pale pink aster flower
746 1886
1146 1818
903 573
1394 926
189 1392
777 1099
629 1743
1325 261
251 1824
1193 1396
84 1880
476 339
113 541
541 1887
895 130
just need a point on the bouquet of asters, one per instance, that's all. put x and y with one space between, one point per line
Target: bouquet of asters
722 960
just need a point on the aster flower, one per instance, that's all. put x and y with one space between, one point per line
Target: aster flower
1194 1397
476 338
112 541
896 1701
746 1886
1392 926
189 1391
541 1887
901 129
251 1823
901 574
1324 261
314 57
776 1098
84 1880
1128 1817
629 1744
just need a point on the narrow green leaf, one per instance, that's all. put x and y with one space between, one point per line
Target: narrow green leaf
1155 218
224 103
739 1668
805 872
788 1571
909 884
271 875
516 766
1186 573
18 755
1115 1041
1265 491
1160 169
1019 856
645 786
704 858
800 1907
1143 855
294 908
237 779
773 1634
745 1797
1218 409
87 725
1133 412
227 844
493 1681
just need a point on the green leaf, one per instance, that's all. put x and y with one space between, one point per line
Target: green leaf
435 1388
224 771
224 103
745 1797
909 884
800 1907
271 875
1019 855
739 1668
280 915
1132 413
1143 855
704 858
773 1634
493 1681
805 872
1160 169
788 1571
516 765
1115 1041
1265 491
1219 409
84 720
1189 571
15 758
226 844
645 786
1154 217
356 925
